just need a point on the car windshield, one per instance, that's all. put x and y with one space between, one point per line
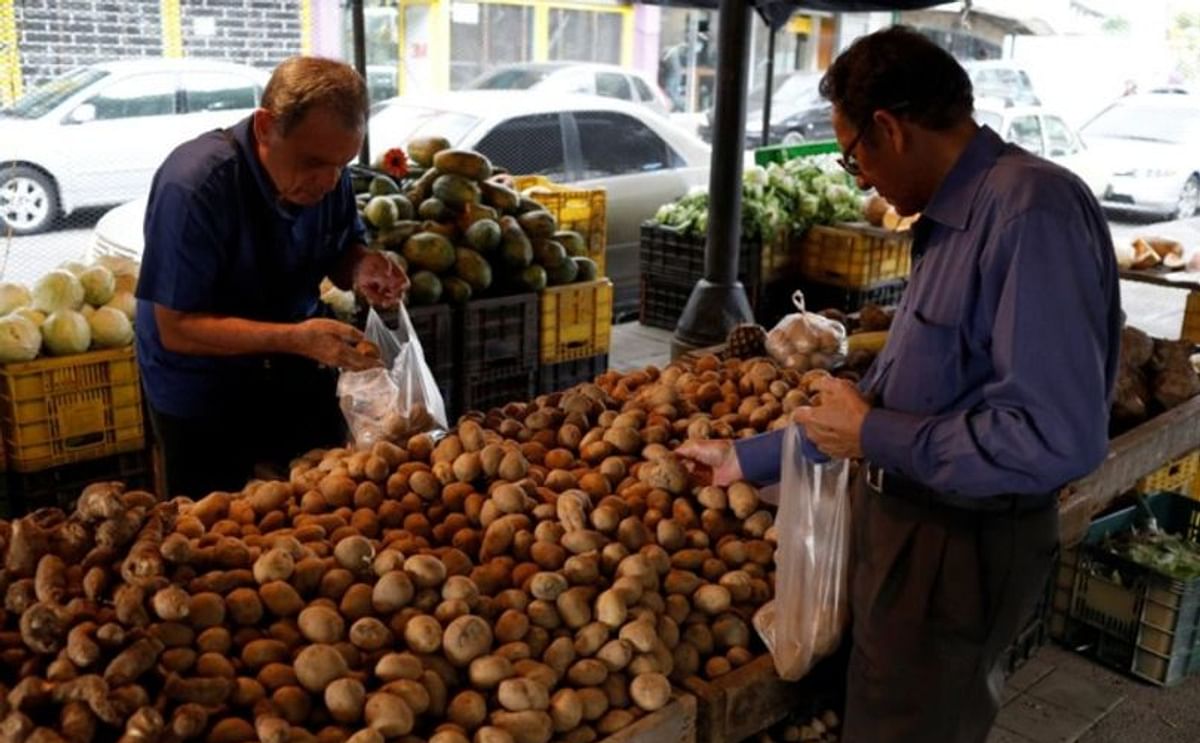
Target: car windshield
405 123
45 98
795 88
1169 124
515 79
989 119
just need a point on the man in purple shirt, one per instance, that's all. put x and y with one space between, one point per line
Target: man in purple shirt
992 393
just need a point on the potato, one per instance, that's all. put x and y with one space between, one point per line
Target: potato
356 602
422 633
426 571
461 588
641 635
345 699
587 672
574 605
730 631
465 639
244 607
521 694
489 734
389 715
595 703
368 633
396 666
259 653
566 710
614 721
525 727
355 554
319 665
615 654
321 624
743 499
413 693
560 655
650 691
717 667
486 672
511 626
392 592
611 609
548 586
275 564
468 710
712 599
280 598
544 614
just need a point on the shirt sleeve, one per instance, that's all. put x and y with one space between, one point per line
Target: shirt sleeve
183 232
761 457
1043 418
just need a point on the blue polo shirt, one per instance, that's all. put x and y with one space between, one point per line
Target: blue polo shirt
218 240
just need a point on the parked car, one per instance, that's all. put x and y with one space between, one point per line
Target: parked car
577 78
1045 133
1002 79
1151 145
96 134
641 158
798 112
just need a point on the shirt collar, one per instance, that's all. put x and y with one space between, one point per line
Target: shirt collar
243 134
951 203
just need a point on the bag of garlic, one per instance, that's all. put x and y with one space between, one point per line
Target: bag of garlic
805 340
805 620
400 398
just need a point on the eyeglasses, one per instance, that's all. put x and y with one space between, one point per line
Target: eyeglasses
848 161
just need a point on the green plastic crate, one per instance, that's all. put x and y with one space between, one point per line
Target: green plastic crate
781 153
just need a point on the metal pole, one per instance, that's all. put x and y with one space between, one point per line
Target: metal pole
360 64
769 91
718 301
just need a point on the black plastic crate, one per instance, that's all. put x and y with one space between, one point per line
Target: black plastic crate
59 487
499 336
1130 616
663 301
665 252
484 390
1035 630
434 325
567 374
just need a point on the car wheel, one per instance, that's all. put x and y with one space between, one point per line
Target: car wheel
28 200
793 138
1189 199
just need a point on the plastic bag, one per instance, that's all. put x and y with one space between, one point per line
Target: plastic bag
806 340
400 399
805 620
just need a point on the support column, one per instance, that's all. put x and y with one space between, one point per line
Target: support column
172 28
718 301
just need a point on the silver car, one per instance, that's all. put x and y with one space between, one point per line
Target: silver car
95 135
576 78
641 158
1151 144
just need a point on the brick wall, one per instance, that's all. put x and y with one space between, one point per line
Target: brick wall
256 32
55 35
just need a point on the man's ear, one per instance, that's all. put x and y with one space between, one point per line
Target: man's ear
893 130
264 124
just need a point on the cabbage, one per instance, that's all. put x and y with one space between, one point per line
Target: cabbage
124 302
66 332
13 296
110 328
57 290
99 285
37 317
341 302
20 340
73 267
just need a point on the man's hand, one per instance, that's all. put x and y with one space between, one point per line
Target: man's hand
835 426
332 343
380 280
717 454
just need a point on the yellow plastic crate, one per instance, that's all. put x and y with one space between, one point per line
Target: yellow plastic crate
579 210
1181 476
1191 318
576 321
854 256
63 410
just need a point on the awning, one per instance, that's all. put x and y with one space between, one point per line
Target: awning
777 12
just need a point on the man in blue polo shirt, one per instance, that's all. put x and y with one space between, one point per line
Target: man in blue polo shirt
241 226
991 394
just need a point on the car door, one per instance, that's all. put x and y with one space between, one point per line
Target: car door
215 99
640 171
1065 148
118 137
528 145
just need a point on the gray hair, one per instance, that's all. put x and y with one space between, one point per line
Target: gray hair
300 84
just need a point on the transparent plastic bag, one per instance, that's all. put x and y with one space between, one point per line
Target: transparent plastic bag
805 340
395 401
805 620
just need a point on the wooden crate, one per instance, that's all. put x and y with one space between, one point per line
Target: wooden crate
674 723
743 702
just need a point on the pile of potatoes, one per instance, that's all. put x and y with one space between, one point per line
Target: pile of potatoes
546 572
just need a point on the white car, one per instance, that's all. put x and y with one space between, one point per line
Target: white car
576 78
641 158
1045 134
1151 144
96 134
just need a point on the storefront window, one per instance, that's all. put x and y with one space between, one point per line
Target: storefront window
585 35
487 35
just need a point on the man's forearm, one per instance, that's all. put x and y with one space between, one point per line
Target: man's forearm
199 334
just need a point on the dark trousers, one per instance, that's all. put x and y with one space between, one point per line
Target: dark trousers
937 595
291 409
